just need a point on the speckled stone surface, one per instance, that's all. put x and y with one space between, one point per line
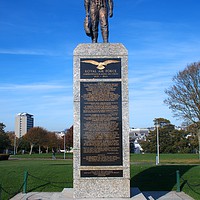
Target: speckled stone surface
101 187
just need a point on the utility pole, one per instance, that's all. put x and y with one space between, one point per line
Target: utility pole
158 150
14 144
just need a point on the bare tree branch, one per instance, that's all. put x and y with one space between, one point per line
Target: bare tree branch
184 96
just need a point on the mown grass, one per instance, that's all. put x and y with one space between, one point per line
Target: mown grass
44 175
163 178
166 158
50 175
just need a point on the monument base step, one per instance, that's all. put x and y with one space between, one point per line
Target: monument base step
136 194
67 194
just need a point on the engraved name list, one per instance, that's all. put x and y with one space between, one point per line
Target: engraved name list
101 124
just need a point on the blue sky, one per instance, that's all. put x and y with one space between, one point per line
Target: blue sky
37 39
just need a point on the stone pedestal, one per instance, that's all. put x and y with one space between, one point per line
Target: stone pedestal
101 121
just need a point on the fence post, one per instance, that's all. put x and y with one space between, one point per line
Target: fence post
178 181
25 182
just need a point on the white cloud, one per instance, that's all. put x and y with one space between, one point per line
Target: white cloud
34 86
43 52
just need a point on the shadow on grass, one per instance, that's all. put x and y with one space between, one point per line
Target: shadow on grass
37 183
159 178
38 187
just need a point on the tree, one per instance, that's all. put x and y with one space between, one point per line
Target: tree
163 123
193 135
170 140
17 144
69 138
2 126
4 139
184 96
11 135
52 141
36 136
22 144
4 142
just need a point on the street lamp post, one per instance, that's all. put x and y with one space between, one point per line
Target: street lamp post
158 153
15 145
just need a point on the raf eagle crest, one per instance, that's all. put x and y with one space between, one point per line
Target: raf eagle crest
100 65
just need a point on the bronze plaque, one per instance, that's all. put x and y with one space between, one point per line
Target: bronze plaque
101 173
100 68
101 124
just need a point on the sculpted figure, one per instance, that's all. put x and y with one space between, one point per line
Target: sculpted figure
97 11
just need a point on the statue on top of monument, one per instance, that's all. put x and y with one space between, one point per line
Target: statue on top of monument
97 10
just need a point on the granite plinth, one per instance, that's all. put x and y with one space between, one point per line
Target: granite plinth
101 121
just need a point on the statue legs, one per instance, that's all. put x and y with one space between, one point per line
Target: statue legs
99 14
103 16
94 37
94 22
105 36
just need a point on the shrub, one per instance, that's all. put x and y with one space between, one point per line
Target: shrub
4 156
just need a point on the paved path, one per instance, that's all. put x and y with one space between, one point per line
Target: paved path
136 194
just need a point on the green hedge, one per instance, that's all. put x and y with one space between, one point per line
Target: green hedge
4 156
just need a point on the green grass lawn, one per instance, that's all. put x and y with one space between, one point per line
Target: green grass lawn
163 178
50 175
44 175
166 158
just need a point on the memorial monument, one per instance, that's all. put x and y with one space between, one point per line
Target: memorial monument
97 10
101 166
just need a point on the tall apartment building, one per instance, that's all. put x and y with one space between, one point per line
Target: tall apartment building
23 122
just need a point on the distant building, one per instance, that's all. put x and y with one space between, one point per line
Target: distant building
135 136
23 122
181 128
60 134
138 134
